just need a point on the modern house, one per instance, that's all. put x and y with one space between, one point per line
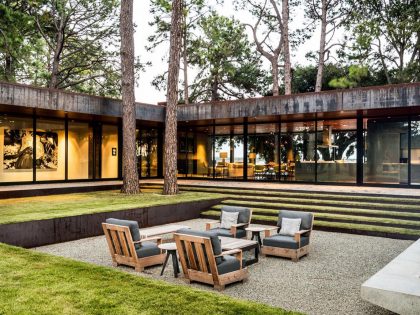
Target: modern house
366 136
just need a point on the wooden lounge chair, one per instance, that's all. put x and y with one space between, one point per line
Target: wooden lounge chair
126 247
237 230
287 246
202 259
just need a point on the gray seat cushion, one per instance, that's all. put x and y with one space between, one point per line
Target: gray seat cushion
285 241
240 233
306 217
229 264
244 213
147 249
214 238
133 226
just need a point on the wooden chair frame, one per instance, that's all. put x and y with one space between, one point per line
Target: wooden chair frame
233 229
123 251
294 254
201 265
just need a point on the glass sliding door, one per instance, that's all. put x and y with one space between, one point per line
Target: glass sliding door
147 152
50 150
16 149
263 157
415 152
386 151
337 151
297 151
80 150
229 152
199 161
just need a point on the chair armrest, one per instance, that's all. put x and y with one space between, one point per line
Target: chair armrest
299 234
209 224
237 252
229 252
267 232
158 239
234 228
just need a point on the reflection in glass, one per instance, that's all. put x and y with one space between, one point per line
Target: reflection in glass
415 152
386 151
229 152
16 149
262 152
50 150
336 151
297 151
147 152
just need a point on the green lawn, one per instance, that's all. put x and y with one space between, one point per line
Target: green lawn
36 283
48 207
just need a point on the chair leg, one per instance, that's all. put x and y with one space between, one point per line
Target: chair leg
139 269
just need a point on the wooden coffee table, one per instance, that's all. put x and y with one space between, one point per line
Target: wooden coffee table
229 243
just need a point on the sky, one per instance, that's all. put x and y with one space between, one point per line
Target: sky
146 93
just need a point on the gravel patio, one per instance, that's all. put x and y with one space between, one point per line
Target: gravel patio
327 281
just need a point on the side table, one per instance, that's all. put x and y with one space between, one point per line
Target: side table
170 249
256 231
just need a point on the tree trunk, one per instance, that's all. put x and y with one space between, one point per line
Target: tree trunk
57 54
321 61
215 90
185 61
275 74
170 185
9 71
130 171
286 49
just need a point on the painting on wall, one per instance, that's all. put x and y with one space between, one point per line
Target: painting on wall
18 150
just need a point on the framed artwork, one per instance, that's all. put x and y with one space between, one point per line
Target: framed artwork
18 150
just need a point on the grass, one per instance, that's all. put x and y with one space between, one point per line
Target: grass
340 225
383 213
36 283
297 194
48 207
299 207
342 217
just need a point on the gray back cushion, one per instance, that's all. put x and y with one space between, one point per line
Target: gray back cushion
306 217
244 213
215 241
133 226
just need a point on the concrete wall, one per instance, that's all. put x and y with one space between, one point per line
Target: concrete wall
390 96
43 98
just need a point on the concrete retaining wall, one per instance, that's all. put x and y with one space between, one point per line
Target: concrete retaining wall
44 232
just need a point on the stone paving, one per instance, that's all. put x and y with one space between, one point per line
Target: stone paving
327 281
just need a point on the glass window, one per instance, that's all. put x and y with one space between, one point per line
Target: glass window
50 150
262 153
16 149
336 150
80 151
229 152
386 151
415 152
199 160
297 151
109 151
147 152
